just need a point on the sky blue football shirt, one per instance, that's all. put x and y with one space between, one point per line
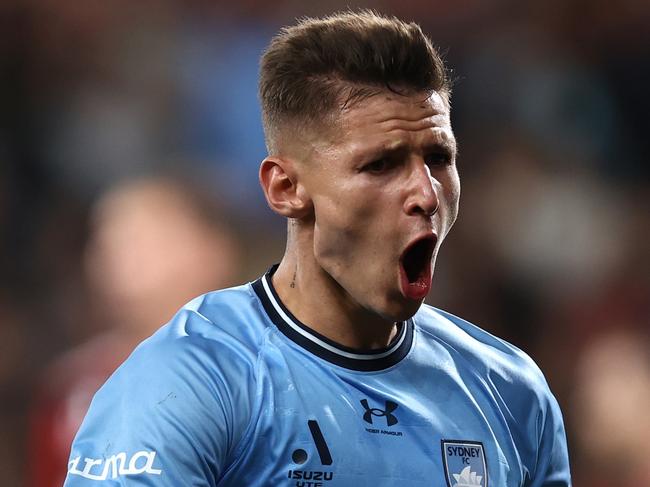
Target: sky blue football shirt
235 391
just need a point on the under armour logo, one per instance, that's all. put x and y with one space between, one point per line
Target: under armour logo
387 412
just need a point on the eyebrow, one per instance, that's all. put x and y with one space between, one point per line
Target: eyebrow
400 148
449 145
445 141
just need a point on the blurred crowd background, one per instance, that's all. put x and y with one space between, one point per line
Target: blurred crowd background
129 145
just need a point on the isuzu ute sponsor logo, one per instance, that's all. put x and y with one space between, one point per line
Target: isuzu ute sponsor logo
312 478
114 466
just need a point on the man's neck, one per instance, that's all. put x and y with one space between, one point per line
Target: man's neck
318 301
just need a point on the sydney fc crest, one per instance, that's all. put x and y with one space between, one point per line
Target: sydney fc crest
464 463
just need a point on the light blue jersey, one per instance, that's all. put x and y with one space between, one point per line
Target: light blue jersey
235 391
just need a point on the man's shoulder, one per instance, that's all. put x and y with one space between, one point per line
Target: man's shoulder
210 345
189 391
227 317
216 335
489 356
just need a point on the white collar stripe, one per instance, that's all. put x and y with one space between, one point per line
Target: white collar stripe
322 343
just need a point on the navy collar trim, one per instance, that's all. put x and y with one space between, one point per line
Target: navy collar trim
323 347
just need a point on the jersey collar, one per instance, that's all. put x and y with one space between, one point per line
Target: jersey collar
323 347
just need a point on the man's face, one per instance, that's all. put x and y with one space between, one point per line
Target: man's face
385 193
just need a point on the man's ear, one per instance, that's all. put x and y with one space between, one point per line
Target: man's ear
283 191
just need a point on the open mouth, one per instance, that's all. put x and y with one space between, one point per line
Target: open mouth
415 267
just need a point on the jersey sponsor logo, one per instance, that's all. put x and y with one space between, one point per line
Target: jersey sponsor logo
112 467
312 478
321 444
464 463
387 412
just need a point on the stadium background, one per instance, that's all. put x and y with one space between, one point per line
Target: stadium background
550 107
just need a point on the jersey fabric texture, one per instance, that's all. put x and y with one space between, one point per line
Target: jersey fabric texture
235 391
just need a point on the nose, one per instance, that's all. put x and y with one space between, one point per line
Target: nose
422 197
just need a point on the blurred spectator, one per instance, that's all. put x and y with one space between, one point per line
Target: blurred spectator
538 217
155 244
611 406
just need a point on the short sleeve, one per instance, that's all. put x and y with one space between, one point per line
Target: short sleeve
552 468
173 414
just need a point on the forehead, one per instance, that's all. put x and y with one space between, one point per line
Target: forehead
398 118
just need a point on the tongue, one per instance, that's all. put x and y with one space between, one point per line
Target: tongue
418 286
418 289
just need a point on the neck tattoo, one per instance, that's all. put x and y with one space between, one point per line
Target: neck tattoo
293 280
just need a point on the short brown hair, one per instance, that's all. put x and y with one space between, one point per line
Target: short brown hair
321 64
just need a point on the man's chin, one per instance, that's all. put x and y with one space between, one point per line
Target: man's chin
402 309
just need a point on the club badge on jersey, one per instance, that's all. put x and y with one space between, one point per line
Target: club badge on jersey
464 463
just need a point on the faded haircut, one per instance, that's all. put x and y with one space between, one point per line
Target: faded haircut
318 67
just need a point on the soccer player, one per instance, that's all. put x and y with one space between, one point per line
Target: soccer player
329 370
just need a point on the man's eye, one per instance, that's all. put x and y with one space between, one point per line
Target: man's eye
438 159
378 166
